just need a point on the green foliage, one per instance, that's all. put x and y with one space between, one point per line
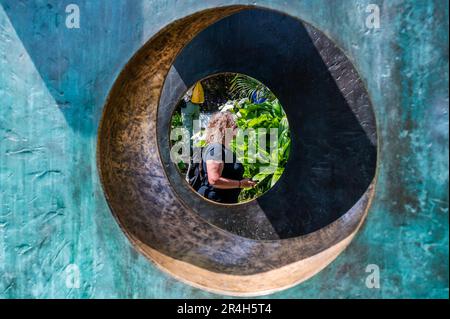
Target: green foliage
217 91
243 86
261 165
176 119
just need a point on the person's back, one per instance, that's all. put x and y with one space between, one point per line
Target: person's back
223 181
232 169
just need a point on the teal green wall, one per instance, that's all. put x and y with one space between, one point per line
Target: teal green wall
53 84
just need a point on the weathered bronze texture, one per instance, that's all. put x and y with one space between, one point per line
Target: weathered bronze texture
173 231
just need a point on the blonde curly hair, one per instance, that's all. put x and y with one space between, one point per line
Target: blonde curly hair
218 124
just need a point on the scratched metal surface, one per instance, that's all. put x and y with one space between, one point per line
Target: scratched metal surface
53 85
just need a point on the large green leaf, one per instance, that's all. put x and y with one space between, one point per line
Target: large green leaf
276 176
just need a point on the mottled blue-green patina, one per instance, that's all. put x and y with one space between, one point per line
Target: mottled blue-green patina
53 85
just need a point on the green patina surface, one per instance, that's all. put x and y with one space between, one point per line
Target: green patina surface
53 84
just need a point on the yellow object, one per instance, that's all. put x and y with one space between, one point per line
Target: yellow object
198 96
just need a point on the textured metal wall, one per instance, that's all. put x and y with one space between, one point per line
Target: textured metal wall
333 136
53 85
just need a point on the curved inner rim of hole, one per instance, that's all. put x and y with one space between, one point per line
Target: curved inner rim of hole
259 117
333 152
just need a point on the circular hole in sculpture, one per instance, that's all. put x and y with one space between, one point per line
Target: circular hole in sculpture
229 138
312 213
